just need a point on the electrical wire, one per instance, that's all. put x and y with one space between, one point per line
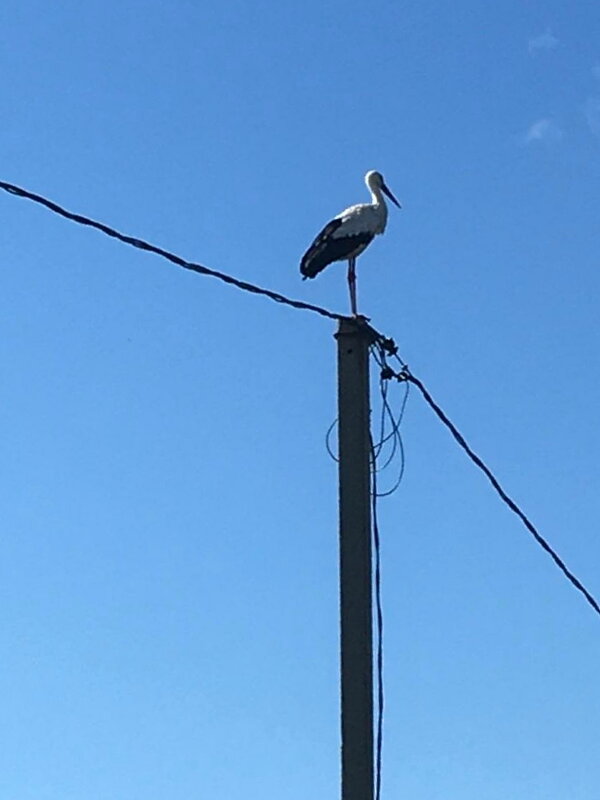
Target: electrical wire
399 445
330 429
386 412
386 415
382 438
379 619
408 376
386 346
159 251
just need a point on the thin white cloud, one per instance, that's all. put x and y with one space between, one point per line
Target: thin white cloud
592 114
543 130
545 41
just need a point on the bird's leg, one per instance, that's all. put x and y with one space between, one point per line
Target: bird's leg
352 285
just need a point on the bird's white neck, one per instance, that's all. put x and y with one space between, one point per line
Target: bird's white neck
379 207
376 196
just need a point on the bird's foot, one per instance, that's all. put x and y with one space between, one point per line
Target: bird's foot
360 317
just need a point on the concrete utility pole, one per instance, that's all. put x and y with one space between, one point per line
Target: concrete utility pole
353 340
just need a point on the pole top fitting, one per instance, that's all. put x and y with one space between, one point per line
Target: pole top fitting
357 326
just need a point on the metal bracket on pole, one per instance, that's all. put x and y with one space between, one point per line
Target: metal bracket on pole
353 339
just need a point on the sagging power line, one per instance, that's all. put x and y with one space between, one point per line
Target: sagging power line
140 244
385 344
405 375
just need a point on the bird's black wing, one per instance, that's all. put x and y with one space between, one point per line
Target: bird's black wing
315 258
326 249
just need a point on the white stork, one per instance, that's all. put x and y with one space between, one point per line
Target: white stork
348 234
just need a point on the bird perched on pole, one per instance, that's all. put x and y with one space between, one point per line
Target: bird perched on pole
348 234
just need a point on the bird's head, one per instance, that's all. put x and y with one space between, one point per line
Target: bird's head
375 181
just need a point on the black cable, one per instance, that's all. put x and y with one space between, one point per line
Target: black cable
407 375
398 443
332 455
387 414
387 347
379 618
175 259
382 438
397 446
379 355
376 451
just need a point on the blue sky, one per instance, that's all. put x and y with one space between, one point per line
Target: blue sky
168 563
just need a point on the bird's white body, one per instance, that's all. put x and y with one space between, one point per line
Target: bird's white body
349 233
363 218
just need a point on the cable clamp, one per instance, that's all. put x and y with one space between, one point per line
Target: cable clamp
387 373
388 345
